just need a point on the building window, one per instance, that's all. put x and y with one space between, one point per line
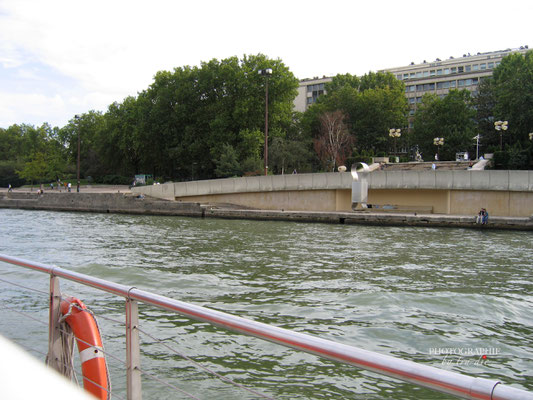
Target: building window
412 100
419 88
426 74
446 71
419 74
452 84
468 68
439 72
475 67
454 70
405 76
483 66
460 69
461 82
419 99
432 72
411 75
491 65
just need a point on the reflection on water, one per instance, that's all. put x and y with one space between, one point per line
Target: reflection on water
398 291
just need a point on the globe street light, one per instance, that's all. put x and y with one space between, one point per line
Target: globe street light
501 126
395 134
438 141
266 73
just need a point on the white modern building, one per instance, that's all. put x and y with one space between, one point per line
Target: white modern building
438 76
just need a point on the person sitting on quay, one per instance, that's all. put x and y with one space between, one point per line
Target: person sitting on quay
482 217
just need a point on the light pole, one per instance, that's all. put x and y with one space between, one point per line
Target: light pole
77 118
501 126
395 134
266 73
477 137
438 141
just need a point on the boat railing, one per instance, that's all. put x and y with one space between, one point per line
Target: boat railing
449 382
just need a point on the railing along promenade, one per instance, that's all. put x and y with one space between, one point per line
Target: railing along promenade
440 380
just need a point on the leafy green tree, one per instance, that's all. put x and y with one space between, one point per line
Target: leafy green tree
513 91
34 170
227 163
452 118
372 104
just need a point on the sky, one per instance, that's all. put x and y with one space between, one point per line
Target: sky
59 58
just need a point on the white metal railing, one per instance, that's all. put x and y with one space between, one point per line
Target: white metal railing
434 378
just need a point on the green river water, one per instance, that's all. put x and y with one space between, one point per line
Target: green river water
401 291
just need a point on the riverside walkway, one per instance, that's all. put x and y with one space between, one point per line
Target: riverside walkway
119 199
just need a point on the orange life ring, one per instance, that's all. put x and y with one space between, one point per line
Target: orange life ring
87 334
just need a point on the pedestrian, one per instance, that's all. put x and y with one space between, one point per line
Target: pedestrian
485 219
482 217
9 188
69 186
52 186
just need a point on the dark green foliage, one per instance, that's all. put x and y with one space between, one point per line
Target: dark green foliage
451 118
372 104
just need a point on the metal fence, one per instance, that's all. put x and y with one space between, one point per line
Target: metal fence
440 380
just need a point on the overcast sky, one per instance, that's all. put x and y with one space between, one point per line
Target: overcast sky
63 57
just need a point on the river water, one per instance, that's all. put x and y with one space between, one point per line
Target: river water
402 291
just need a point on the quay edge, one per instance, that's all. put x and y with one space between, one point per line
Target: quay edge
126 203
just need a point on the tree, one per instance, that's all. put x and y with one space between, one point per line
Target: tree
452 118
513 91
227 164
372 105
35 169
335 142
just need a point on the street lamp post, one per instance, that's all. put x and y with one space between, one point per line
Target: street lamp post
438 141
77 118
501 126
266 73
477 137
395 134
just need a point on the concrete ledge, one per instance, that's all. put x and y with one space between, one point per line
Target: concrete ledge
427 179
98 202
128 204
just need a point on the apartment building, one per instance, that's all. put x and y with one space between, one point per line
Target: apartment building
438 76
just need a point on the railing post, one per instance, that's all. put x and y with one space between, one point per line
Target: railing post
133 356
55 347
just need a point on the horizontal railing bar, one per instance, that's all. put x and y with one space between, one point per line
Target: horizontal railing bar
423 375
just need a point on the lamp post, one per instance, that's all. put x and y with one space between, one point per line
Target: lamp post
438 141
501 126
395 134
77 118
266 73
477 137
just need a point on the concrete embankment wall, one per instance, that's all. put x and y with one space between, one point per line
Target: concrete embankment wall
463 192
98 202
130 204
